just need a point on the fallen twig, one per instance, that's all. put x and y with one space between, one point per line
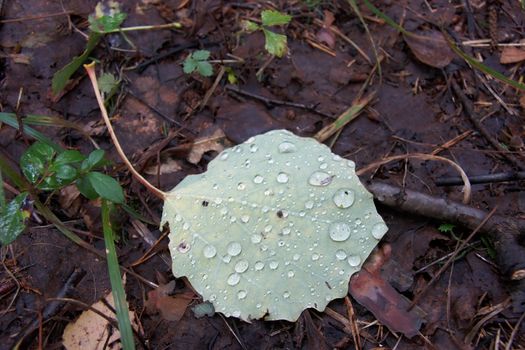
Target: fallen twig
482 179
507 233
270 101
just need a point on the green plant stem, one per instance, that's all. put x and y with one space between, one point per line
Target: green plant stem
2 194
119 295
152 27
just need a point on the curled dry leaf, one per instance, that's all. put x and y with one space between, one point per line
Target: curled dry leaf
511 54
211 142
431 48
171 307
92 331
380 298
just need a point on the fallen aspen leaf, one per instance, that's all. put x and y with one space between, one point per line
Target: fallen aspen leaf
92 331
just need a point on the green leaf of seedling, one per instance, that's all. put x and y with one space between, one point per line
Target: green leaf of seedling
87 190
249 26
66 172
51 183
276 44
107 83
232 78
35 159
204 68
108 17
106 23
197 61
274 18
13 218
201 55
106 187
446 228
95 158
69 157
189 65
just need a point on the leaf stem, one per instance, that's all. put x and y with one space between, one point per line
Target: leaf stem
151 27
90 68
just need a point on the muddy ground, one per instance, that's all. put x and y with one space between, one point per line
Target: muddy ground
414 110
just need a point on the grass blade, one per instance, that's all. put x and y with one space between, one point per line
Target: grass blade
119 295
347 116
10 119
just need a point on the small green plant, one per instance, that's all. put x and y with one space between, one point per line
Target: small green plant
446 228
46 169
198 62
275 44
107 19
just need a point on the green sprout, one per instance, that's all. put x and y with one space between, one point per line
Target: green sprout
198 62
275 44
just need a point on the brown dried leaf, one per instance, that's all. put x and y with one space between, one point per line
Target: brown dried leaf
214 142
512 54
431 48
381 299
70 200
91 331
171 308
168 167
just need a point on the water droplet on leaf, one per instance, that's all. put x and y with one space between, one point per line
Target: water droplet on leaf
209 251
282 178
379 230
320 178
344 198
339 231
234 248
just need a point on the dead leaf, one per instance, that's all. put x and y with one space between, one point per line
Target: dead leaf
388 306
171 307
70 200
430 48
91 331
214 142
511 54
325 35
167 167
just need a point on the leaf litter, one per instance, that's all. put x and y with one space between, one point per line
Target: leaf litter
364 140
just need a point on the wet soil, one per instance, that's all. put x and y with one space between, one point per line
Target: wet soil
414 111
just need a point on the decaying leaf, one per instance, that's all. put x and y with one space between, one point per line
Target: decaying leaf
276 225
512 54
213 142
380 298
168 166
431 48
171 307
92 331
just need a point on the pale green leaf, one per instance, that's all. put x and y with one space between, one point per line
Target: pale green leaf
201 55
249 26
204 68
274 18
276 225
107 83
275 43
